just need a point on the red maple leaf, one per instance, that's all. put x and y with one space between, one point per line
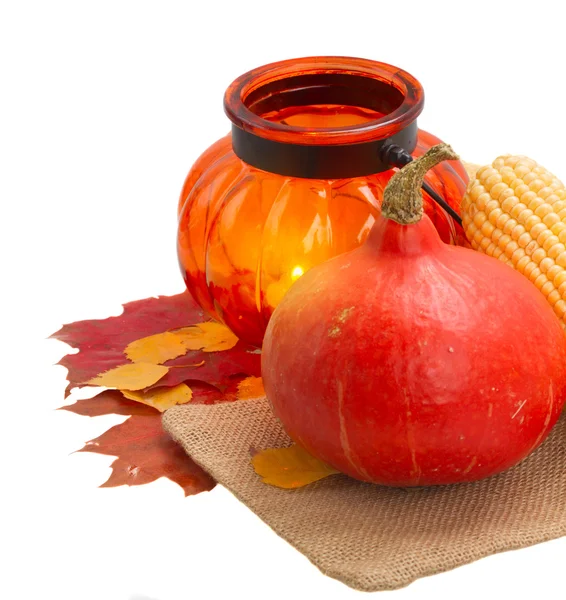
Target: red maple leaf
144 451
102 342
218 367
110 402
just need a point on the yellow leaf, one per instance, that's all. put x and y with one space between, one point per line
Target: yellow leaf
162 398
250 388
289 468
156 349
208 337
161 347
135 376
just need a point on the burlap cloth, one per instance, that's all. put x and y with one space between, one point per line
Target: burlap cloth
371 537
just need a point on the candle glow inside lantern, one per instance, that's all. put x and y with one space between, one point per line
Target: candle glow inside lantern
298 181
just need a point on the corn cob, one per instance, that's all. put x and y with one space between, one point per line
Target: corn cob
515 210
471 169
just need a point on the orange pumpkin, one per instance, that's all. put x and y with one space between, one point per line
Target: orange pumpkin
260 207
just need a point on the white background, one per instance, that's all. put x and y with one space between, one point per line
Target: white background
104 107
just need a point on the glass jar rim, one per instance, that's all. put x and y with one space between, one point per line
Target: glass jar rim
242 89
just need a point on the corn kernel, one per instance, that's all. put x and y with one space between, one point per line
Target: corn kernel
524 240
511 161
521 171
535 274
499 188
560 308
479 219
546 287
531 247
546 264
487 228
476 191
509 226
510 248
492 180
543 236
529 268
497 252
556 250
538 229
502 220
517 232
528 197
504 240
519 188
482 200
508 204
545 192
561 260
496 235
518 210
551 219
484 242
478 235
532 221
491 206
522 263
536 185
490 249
559 279
538 255
507 174
548 242
553 271
543 210
527 162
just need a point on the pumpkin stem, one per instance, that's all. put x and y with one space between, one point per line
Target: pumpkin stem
402 198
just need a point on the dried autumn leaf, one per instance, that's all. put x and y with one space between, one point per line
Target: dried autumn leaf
158 456
250 388
112 402
289 468
102 341
208 337
145 453
162 398
161 347
218 367
102 344
156 349
109 402
132 376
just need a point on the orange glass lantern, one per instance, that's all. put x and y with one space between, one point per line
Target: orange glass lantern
299 180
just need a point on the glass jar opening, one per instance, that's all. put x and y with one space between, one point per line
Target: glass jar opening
324 101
